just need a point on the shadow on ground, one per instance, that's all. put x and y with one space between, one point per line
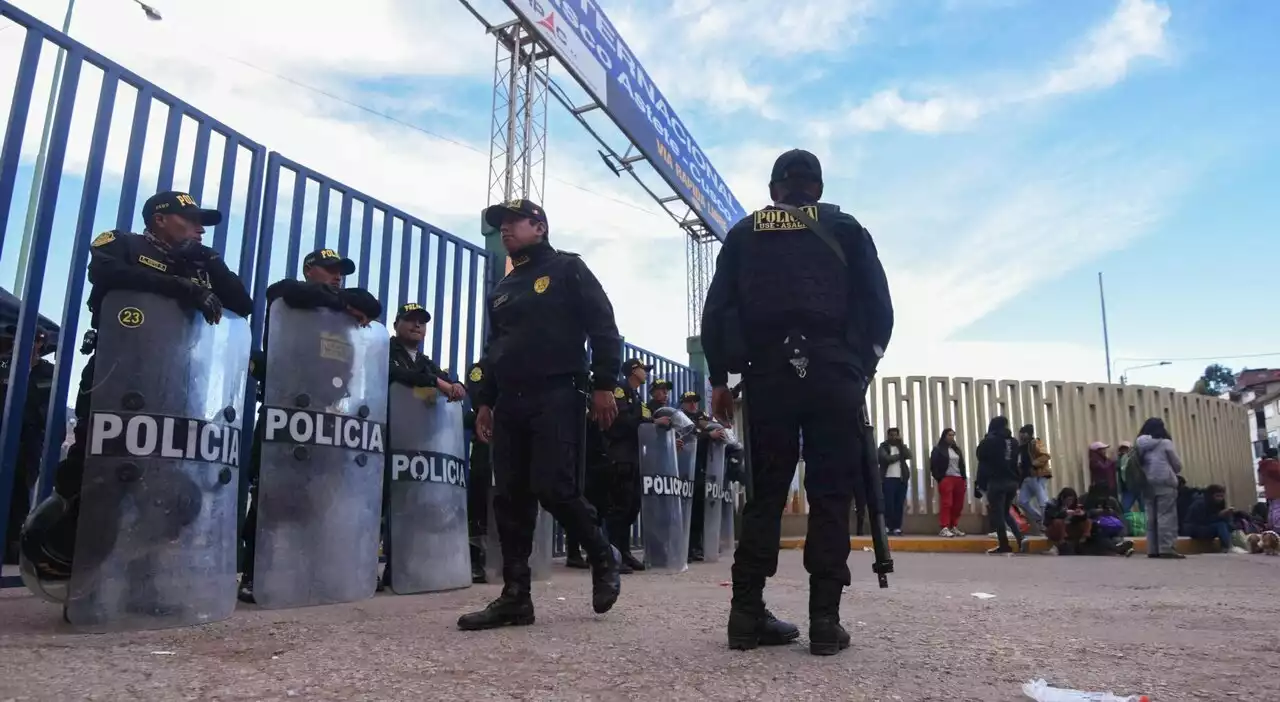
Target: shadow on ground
1190 630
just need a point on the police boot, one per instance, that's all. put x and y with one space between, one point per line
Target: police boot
49 536
573 555
827 636
606 583
629 561
477 562
751 624
514 607
618 538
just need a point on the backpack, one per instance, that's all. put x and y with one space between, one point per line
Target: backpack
1135 479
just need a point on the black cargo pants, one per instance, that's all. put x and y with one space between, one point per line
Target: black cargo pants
827 406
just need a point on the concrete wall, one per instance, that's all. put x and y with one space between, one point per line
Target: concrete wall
1212 435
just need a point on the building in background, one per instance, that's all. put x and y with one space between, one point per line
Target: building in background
1259 390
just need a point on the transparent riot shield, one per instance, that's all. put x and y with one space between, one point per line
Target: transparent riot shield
728 511
543 546
662 492
686 464
323 451
714 497
156 536
427 514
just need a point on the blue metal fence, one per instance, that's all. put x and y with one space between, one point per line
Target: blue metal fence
399 257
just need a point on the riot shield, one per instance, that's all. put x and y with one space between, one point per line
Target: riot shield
427 514
320 487
156 537
687 464
662 500
539 560
714 497
727 515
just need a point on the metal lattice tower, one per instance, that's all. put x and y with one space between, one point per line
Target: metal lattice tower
700 264
518 146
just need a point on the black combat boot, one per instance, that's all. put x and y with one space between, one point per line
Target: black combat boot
826 635
573 555
606 583
514 607
623 543
751 624
477 562
618 537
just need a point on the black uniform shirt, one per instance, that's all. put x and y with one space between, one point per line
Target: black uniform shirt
415 370
653 405
774 276
540 317
125 261
623 436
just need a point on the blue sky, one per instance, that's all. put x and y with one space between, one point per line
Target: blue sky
1002 152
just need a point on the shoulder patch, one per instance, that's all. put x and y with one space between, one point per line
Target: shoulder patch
644 411
476 375
618 393
104 238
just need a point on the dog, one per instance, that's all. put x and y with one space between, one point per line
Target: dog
1268 543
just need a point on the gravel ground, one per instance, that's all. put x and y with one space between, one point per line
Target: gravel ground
1200 629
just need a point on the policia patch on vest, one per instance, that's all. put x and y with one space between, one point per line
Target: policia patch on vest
780 221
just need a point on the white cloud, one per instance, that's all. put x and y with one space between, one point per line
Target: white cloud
1135 30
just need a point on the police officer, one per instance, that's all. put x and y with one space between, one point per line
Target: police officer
622 442
800 306
689 404
659 395
481 479
166 259
410 366
531 408
320 288
31 440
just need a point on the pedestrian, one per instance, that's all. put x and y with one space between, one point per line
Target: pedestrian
1033 464
531 406
800 306
1130 482
998 480
1161 466
1102 469
894 457
946 465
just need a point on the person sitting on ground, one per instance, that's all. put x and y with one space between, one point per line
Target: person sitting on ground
1106 535
1065 523
1209 518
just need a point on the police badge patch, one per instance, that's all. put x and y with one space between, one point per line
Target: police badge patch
103 239
618 393
540 285
476 374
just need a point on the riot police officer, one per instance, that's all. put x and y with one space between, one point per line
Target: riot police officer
689 405
323 271
659 395
800 306
622 442
166 259
481 480
531 406
31 441
411 367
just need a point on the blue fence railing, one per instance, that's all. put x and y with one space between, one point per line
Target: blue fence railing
275 211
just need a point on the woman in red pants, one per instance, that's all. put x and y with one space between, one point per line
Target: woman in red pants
946 463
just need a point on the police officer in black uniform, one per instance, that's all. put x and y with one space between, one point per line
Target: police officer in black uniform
410 366
531 405
35 413
321 287
689 405
805 317
622 442
166 259
659 394
481 479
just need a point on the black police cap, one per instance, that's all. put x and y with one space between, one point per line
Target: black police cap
180 203
660 383
796 163
494 214
329 258
412 310
635 363
691 396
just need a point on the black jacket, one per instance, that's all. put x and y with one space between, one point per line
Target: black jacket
904 456
416 371
541 316
998 458
125 261
774 275
939 461
622 438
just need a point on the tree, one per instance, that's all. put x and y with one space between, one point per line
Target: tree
1216 380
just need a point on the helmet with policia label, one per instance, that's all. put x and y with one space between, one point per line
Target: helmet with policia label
323 448
154 542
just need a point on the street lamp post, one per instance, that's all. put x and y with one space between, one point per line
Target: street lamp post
33 202
1124 375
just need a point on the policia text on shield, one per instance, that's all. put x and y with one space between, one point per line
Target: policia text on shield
799 305
135 527
531 405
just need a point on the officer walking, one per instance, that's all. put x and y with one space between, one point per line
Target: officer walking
166 259
481 480
321 287
411 367
531 406
800 306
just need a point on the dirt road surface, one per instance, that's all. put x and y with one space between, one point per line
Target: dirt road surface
1199 629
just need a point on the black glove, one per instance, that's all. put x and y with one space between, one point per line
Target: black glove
206 302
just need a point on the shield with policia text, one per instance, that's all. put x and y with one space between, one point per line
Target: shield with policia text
323 456
156 538
427 513
663 495
687 463
714 498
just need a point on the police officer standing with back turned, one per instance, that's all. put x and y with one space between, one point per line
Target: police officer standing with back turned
166 259
321 287
531 406
800 306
